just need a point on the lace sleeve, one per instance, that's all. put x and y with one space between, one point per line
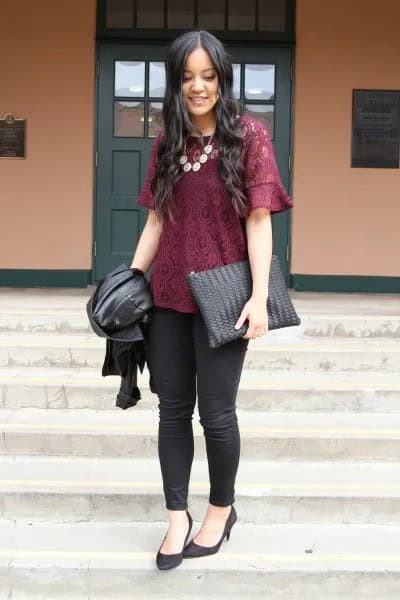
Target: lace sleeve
262 183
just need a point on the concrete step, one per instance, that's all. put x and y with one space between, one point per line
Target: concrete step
104 561
267 353
323 314
359 326
264 436
51 320
280 391
39 488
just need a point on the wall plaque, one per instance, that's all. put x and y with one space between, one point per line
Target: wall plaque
376 129
12 137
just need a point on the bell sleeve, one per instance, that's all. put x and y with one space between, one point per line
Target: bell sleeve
262 183
145 197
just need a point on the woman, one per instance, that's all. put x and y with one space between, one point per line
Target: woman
211 185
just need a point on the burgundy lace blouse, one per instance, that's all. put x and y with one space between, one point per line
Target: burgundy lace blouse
207 232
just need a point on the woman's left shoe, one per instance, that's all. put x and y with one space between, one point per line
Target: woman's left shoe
193 550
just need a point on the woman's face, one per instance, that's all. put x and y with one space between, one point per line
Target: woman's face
200 83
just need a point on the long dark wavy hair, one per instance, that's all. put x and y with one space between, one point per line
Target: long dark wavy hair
178 125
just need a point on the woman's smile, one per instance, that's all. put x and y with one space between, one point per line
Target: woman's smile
198 100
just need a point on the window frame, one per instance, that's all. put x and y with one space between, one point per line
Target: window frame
166 35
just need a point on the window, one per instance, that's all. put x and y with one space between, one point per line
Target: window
270 19
138 92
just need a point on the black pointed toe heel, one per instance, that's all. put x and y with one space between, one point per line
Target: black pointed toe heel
169 561
193 550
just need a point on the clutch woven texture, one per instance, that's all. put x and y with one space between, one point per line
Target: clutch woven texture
222 292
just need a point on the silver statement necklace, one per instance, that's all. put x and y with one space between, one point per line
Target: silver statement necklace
203 158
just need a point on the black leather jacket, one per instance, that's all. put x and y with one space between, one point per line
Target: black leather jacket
120 310
124 358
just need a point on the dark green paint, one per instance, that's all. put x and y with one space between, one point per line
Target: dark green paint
301 283
345 283
45 278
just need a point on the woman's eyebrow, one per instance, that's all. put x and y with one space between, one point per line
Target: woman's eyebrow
203 71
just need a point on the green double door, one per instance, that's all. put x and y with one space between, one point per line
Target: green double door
130 88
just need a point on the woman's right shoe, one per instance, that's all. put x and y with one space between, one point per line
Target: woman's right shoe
193 550
169 561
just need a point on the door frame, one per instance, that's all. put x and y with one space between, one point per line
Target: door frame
287 180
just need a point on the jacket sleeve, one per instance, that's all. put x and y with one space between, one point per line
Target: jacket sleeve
109 365
121 359
129 393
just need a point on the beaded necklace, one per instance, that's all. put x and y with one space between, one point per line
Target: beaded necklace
187 166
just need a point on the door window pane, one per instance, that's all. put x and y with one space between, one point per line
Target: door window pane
119 13
150 14
180 14
157 79
241 15
260 82
236 80
129 78
211 14
155 118
262 112
128 119
272 15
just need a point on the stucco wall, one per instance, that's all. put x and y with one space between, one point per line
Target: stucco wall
47 58
346 221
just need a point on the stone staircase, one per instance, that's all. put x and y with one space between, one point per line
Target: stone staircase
82 512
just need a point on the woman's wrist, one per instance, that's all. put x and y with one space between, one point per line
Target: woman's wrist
259 296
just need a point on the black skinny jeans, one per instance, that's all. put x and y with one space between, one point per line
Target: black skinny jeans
178 352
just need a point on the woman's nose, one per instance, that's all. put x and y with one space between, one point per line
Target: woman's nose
197 84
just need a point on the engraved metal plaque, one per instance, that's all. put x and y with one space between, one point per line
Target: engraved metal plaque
12 137
376 129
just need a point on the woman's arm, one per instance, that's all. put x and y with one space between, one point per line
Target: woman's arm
147 247
259 245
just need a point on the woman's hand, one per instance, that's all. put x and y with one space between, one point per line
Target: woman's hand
255 310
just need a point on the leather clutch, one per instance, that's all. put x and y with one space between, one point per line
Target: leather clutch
221 293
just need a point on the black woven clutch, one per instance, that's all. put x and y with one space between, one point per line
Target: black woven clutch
222 292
